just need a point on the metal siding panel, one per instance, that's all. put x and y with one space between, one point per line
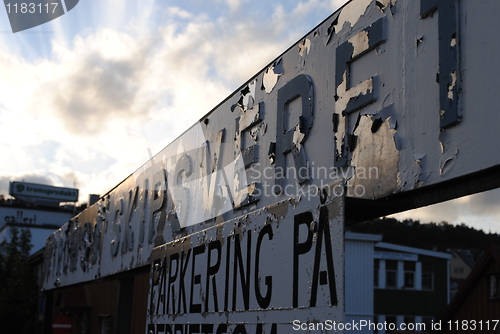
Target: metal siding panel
359 277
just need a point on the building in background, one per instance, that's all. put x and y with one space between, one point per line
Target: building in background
476 305
461 265
393 283
40 208
411 284
359 288
380 281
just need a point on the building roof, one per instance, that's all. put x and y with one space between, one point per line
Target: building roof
406 249
363 237
466 256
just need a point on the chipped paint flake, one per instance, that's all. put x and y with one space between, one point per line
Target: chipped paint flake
397 141
360 43
272 153
330 32
451 87
446 163
378 151
271 76
279 209
453 42
347 18
304 47
247 98
298 137
345 95
421 172
250 117
420 40
257 131
383 4
351 13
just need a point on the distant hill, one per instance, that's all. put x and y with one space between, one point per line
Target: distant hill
432 236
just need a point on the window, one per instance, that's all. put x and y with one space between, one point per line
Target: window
409 277
427 276
495 286
391 274
375 272
391 279
409 280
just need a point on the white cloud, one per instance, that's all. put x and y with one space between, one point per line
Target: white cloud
234 4
178 12
478 210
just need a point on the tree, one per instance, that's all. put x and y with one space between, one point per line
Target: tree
18 288
440 236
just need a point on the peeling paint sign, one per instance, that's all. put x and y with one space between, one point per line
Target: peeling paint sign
372 98
255 274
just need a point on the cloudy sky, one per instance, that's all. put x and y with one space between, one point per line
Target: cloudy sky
85 98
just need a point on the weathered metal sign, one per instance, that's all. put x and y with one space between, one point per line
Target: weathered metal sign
384 94
264 272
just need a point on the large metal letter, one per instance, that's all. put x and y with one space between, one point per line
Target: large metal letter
349 99
291 140
448 57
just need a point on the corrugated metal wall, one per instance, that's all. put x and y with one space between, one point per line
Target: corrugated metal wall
359 281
